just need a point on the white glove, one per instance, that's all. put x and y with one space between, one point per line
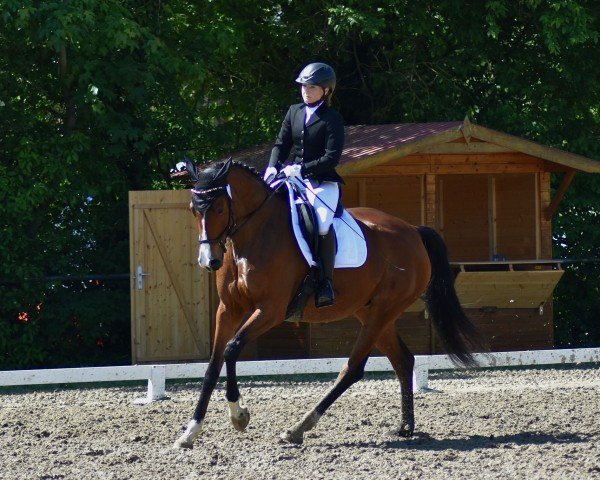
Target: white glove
292 171
270 174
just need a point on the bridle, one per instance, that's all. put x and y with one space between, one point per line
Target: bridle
210 195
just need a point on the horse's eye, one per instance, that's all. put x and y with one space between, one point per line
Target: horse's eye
220 210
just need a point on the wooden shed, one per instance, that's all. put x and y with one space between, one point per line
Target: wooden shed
486 192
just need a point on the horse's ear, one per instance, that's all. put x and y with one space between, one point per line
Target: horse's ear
191 169
220 178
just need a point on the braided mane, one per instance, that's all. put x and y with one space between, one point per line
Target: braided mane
216 166
249 169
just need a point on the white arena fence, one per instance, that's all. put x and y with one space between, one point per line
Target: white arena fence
156 375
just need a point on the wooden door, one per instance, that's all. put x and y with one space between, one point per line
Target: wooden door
170 300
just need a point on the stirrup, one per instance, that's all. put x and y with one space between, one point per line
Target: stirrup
325 296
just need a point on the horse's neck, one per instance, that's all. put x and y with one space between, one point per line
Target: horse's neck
247 192
253 208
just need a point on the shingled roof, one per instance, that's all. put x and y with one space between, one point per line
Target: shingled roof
369 145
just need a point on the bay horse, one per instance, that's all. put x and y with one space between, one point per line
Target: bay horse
246 238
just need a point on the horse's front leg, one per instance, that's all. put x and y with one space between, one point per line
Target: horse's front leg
258 323
238 412
225 328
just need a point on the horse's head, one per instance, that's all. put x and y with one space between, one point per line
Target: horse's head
211 205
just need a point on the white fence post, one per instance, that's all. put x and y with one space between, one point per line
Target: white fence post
421 374
156 385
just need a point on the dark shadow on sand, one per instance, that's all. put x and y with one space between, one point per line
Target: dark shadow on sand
423 441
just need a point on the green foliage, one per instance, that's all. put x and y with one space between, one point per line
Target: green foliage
72 325
99 97
577 235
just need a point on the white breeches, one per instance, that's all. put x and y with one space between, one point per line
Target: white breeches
328 193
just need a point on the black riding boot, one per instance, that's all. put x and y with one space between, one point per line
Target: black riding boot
325 296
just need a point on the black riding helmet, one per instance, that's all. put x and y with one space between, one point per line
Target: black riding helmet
319 74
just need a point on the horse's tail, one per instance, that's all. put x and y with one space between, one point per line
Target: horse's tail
458 335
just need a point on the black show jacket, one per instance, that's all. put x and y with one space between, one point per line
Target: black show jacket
317 145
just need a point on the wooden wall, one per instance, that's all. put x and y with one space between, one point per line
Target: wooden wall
516 216
464 216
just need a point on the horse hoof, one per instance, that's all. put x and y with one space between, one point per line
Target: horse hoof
292 437
179 443
404 430
186 440
241 420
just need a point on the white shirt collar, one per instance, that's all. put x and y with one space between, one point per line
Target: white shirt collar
310 111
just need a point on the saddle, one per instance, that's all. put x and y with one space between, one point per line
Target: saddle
307 219
351 248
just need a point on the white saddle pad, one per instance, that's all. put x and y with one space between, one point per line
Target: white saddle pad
352 246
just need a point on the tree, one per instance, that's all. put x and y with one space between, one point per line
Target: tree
100 97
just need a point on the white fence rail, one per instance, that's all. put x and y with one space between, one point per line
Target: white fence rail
156 375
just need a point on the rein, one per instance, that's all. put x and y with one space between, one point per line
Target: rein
231 228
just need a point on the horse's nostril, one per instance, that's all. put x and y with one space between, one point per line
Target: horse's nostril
214 264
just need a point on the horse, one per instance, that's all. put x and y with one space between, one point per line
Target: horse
246 238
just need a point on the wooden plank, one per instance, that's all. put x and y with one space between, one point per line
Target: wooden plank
414 331
423 200
560 193
555 155
350 193
337 338
510 262
456 169
398 195
493 241
397 170
362 192
333 339
167 206
465 221
538 216
483 169
514 158
137 304
174 278
513 289
418 306
515 215
288 340
464 148
415 160
431 201
155 198
514 329
545 224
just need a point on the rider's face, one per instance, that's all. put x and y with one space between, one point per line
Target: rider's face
312 93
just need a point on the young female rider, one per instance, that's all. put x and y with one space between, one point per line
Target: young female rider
316 132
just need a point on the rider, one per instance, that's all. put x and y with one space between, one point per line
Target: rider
317 134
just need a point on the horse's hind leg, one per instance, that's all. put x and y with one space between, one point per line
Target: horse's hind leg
351 373
403 362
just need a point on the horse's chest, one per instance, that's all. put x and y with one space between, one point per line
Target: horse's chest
244 278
